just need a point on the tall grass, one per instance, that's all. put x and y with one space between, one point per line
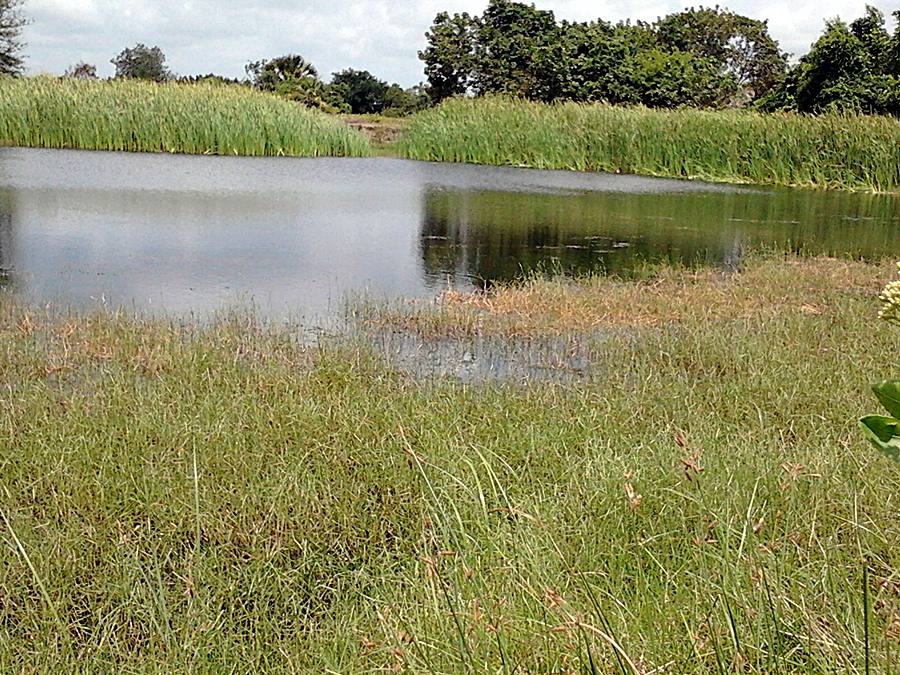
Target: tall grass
148 117
858 153
175 498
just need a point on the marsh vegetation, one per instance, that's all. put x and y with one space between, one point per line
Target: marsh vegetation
143 116
665 474
830 151
185 498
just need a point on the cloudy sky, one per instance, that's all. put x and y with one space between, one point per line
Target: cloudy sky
383 36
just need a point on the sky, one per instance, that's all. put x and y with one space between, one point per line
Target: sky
382 36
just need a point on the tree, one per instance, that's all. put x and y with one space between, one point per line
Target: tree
600 60
873 36
334 96
400 102
211 78
674 79
11 24
739 46
519 51
269 75
82 71
142 63
449 55
893 67
512 48
365 93
289 76
848 69
697 57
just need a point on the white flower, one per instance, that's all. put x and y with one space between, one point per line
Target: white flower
890 299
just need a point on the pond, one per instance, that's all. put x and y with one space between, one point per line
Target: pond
293 237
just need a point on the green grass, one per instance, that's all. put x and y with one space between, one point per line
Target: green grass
178 498
138 116
856 153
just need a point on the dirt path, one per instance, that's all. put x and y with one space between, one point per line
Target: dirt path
381 131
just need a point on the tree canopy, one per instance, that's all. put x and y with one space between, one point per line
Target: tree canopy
362 91
350 91
142 63
739 46
11 23
290 76
850 68
81 71
271 74
696 57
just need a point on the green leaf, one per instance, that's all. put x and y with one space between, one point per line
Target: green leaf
884 433
888 392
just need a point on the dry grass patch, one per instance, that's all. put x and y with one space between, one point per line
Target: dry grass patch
539 307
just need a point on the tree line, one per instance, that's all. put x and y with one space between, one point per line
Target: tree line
700 57
289 76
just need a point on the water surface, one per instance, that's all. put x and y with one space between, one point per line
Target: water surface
182 234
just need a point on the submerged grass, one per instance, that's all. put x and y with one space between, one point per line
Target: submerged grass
179 499
140 116
844 152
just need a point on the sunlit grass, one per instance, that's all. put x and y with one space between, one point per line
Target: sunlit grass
139 116
539 306
845 152
178 498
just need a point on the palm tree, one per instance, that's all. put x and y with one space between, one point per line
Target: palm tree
268 75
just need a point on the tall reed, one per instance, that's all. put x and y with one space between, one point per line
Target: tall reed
845 152
148 117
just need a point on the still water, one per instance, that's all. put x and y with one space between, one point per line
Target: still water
181 234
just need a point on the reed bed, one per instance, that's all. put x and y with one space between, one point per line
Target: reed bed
135 116
829 151
177 498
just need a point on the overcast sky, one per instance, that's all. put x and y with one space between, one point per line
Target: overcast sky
383 36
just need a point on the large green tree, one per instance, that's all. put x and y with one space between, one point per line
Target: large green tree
449 56
692 58
142 63
850 68
364 93
518 50
596 54
11 23
739 46
659 78
628 64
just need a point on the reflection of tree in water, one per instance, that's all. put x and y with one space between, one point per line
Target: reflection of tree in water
499 236
6 238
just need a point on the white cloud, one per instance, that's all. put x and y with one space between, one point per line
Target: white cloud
201 36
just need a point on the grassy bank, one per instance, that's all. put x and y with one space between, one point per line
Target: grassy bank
857 153
148 117
185 499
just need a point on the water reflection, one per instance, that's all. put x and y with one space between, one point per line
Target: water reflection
6 238
496 236
190 234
